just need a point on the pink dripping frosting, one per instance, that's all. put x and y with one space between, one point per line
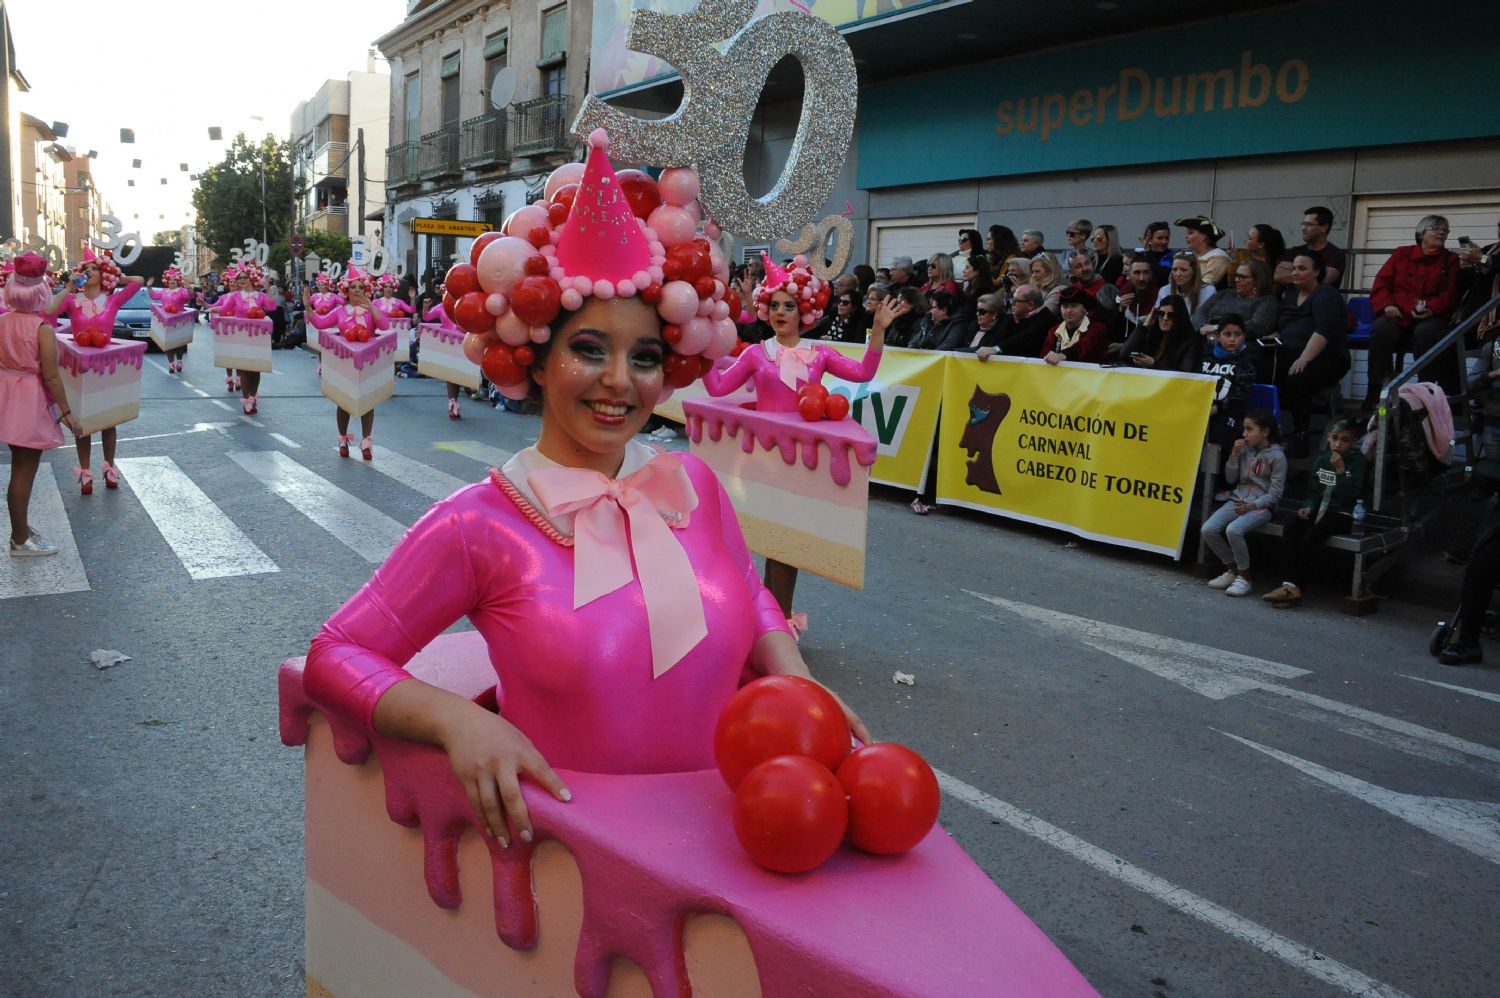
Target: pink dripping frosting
247 327
653 849
173 319
447 334
363 354
78 360
788 432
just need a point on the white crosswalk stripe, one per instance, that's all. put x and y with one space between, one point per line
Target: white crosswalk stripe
415 475
204 539
492 457
363 528
59 573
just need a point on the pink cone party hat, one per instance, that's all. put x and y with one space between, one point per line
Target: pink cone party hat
775 275
602 238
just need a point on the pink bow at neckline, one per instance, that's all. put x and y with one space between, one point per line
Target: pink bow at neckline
795 364
603 550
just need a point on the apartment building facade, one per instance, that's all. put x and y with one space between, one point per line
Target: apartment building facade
339 139
43 184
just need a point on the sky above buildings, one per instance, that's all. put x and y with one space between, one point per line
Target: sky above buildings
170 69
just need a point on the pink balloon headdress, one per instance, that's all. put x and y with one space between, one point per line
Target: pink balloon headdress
388 282
109 273
323 282
171 274
605 235
800 282
354 277
248 268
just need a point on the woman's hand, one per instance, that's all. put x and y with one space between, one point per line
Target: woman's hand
985 353
1299 365
1054 358
1244 507
489 755
74 426
1392 312
1143 360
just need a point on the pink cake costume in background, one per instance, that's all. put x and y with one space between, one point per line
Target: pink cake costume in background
801 487
324 300
619 613
440 355
172 321
101 376
359 352
242 332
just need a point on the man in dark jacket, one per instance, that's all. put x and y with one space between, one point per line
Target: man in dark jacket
1020 333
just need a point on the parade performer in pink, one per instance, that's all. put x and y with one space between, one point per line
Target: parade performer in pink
792 302
325 299
439 314
29 384
90 304
389 285
6 270
173 298
357 321
245 300
617 648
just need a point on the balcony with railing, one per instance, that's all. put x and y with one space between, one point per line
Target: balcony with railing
330 163
541 126
333 218
484 141
438 156
401 164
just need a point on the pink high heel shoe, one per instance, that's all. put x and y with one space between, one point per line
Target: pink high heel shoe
344 442
251 404
367 449
111 476
85 481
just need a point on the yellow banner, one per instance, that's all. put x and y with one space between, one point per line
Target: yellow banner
899 409
448 227
1106 454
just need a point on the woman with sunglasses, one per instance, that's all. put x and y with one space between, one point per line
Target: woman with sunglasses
1167 342
851 323
970 244
1109 262
940 275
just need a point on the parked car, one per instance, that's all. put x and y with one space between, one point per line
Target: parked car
133 321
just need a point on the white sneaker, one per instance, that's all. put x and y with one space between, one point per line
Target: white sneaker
34 547
1239 587
1223 581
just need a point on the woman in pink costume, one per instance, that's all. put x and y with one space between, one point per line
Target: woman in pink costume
616 648
6 269
792 302
173 297
244 301
90 306
28 385
358 317
437 313
325 299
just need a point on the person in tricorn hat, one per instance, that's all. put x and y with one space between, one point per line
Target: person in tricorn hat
1077 337
1203 236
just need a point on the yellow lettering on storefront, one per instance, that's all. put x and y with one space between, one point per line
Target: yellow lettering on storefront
1292 68
1259 74
1207 82
1141 79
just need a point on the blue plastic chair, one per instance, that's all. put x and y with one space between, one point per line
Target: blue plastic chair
1265 397
1364 320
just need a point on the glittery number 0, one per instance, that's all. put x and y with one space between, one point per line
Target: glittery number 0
720 92
377 262
117 242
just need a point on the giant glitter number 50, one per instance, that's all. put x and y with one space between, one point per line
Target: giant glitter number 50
709 130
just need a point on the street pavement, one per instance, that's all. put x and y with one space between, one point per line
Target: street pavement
1192 795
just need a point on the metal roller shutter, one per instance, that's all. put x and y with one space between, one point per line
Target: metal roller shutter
1381 224
917 238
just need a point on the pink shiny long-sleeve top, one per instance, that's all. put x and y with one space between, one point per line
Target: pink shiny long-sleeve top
439 314
393 308
104 321
237 304
771 395
170 297
579 682
347 317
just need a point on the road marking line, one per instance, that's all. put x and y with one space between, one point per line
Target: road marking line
1290 951
493 457
1193 666
288 441
1468 824
163 370
1482 694
363 528
203 538
222 404
59 573
197 428
252 422
201 393
415 475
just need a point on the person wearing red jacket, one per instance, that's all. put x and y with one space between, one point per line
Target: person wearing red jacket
1413 300
1076 337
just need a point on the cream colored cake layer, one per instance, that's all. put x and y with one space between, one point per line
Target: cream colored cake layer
102 401
242 354
172 337
357 392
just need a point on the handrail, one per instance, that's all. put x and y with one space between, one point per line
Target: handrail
1390 414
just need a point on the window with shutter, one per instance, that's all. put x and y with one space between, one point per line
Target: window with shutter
555 33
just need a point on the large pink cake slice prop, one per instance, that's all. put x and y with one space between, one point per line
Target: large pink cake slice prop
103 384
800 489
441 356
173 330
636 887
243 344
358 376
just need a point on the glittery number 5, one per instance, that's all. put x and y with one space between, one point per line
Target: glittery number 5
720 92
124 246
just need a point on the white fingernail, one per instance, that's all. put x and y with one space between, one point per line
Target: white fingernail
566 794
526 835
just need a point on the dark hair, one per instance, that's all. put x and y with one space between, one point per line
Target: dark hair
864 274
945 300
1260 273
1181 321
1321 214
1274 242
976 242
984 280
1006 243
1266 420
1316 258
1157 227
912 297
1232 319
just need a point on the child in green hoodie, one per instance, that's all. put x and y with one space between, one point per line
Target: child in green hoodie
1335 485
